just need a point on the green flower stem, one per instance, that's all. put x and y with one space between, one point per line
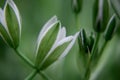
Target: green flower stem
43 76
87 73
32 75
103 47
77 21
24 58
95 45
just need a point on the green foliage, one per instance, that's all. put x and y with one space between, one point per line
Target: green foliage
90 57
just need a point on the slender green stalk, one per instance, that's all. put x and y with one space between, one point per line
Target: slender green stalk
32 75
87 73
43 76
103 47
23 57
77 21
95 45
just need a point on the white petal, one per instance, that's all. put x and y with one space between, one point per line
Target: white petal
56 41
67 39
3 22
2 18
14 7
46 27
69 46
62 34
50 22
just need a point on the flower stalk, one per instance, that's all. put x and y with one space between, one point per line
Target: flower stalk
23 57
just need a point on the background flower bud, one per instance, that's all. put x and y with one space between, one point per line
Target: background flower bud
100 15
83 42
110 28
13 22
91 41
76 6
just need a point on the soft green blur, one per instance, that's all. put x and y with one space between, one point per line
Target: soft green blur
34 14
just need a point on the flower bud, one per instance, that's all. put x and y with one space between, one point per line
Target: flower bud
52 44
13 22
82 40
76 6
46 39
100 15
110 28
10 24
91 41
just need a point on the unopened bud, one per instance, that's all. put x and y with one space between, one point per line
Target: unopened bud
83 42
76 6
91 41
100 15
110 28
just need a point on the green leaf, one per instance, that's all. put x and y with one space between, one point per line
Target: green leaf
12 24
46 43
55 55
116 6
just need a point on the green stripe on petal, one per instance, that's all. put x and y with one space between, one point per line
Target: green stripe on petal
5 36
12 24
56 53
46 43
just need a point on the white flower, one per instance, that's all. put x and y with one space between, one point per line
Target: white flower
10 24
52 43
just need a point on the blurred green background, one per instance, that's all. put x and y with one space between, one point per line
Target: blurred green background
34 14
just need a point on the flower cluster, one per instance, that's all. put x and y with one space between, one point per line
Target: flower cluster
52 43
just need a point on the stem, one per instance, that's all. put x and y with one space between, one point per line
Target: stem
77 21
32 75
43 76
95 45
102 49
87 73
23 57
